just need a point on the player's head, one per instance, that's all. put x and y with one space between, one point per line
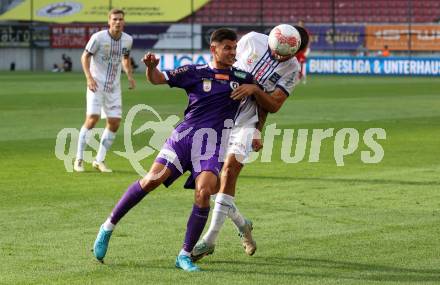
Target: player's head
304 38
223 47
116 20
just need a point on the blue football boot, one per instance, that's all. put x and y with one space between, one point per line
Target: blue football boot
101 243
184 262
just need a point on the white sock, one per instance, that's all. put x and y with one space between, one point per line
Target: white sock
106 142
82 141
223 205
236 216
108 226
184 252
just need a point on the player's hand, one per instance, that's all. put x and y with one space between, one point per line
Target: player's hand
243 90
131 83
150 60
257 143
91 84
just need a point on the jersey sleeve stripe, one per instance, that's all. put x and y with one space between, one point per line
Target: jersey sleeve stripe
91 47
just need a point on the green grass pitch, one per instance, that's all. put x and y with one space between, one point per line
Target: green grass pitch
315 223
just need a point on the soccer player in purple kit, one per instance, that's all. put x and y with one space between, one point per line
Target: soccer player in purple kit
196 143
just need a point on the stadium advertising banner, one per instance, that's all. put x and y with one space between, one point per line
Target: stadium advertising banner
20 36
330 65
72 36
169 61
85 11
176 36
396 37
343 38
41 36
374 66
15 36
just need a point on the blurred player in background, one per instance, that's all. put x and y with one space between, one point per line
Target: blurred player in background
101 61
301 56
209 89
277 74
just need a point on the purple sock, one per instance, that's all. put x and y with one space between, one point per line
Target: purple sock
194 227
131 197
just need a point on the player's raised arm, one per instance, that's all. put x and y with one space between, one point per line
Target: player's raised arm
85 61
269 102
126 64
152 73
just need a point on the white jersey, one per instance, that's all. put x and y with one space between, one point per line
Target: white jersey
105 65
254 56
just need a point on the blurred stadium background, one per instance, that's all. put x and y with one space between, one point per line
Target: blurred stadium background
35 33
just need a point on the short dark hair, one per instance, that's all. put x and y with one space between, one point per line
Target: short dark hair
115 11
222 34
304 38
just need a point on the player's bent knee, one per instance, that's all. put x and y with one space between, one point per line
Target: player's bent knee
113 124
91 121
202 196
231 170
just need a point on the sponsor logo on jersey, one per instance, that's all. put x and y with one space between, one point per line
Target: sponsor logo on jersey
274 78
179 70
207 85
60 9
220 76
240 74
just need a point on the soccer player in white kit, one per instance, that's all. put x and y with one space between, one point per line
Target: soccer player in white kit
278 75
101 61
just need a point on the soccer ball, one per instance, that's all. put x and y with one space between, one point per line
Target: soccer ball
284 40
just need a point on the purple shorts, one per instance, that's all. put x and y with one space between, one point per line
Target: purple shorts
189 154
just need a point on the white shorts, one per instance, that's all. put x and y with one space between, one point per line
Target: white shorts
108 105
240 141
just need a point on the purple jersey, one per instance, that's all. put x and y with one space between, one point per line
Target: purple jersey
209 91
209 106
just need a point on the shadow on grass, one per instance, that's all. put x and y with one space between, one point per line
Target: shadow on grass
297 267
346 180
324 268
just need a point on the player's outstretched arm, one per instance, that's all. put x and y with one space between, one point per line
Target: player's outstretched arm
269 102
85 61
152 73
126 64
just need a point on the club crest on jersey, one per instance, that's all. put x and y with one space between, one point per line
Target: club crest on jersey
274 78
207 85
106 49
252 58
234 85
